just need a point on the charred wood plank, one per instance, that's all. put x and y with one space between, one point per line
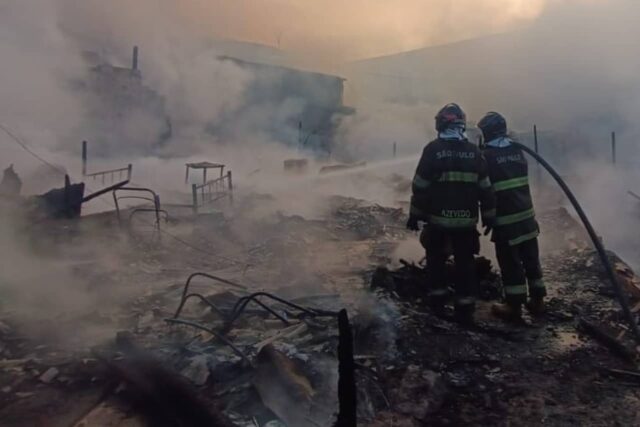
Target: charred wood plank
282 387
609 341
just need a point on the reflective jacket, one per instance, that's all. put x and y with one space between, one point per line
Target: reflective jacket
515 218
450 185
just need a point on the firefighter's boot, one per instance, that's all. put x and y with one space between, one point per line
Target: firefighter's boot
536 306
437 302
464 313
507 312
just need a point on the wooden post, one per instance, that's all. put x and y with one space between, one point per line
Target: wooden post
115 202
134 59
194 191
613 147
535 146
204 176
67 211
395 149
156 203
84 158
186 175
230 186
129 171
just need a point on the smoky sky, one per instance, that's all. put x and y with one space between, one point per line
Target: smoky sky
328 30
359 28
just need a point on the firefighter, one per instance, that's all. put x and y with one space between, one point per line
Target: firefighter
515 232
450 185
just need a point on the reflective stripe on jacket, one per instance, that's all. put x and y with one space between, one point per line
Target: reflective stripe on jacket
451 183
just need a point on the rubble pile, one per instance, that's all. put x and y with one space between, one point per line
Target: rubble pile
361 220
411 282
254 341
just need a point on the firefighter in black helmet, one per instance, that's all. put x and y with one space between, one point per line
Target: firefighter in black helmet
450 185
515 232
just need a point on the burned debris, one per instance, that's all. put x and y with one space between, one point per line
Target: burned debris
228 348
280 319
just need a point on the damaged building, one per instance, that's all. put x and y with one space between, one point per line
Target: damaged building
121 107
281 104
306 107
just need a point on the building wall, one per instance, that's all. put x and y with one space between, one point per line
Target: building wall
312 100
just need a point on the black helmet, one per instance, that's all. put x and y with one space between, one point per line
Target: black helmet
492 125
450 114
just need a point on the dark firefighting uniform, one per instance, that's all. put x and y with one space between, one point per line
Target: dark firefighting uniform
516 230
450 182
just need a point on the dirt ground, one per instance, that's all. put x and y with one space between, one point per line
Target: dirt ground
413 368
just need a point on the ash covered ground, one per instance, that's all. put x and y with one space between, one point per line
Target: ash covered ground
99 358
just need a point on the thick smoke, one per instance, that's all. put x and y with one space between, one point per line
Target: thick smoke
560 64
570 69
333 31
37 66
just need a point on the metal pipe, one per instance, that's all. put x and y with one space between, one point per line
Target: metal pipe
156 204
208 276
622 296
242 302
134 60
194 193
104 190
236 315
215 334
84 158
147 199
613 147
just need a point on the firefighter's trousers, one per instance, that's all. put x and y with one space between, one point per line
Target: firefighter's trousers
520 270
439 244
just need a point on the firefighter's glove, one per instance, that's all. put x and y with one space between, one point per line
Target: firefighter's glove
412 223
488 226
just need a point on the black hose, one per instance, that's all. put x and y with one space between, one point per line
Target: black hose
622 296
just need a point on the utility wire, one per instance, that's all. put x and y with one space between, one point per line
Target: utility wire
26 148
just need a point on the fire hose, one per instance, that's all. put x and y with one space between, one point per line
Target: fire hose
620 292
